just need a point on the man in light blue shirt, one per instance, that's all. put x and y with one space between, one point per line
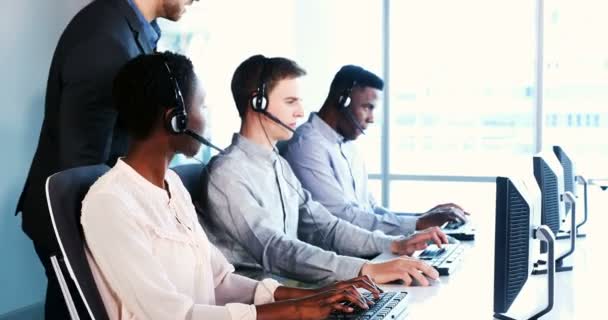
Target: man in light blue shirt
323 157
257 213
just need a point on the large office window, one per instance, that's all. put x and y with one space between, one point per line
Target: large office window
420 196
461 84
576 81
461 75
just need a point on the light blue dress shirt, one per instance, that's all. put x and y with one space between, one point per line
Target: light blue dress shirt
151 29
335 175
257 213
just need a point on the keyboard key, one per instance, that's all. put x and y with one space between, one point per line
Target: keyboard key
383 307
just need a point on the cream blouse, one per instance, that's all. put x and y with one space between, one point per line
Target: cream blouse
152 260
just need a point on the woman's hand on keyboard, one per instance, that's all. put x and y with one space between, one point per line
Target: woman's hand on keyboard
342 300
419 241
363 282
318 306
404 269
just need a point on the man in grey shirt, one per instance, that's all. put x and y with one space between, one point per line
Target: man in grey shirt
257 213
324 159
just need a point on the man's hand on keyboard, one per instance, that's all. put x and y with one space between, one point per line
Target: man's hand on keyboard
419 241
404 269
441 214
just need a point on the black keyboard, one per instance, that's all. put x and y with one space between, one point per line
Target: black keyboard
390 305
453 225
459 230
444 259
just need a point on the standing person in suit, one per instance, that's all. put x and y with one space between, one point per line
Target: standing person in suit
79 126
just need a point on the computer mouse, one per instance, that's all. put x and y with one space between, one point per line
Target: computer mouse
415 283
451 240
432 282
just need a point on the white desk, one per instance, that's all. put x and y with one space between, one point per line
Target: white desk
468 292
601 182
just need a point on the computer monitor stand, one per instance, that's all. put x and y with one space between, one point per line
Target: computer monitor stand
583 181
545 235
566 234
559 263
562 235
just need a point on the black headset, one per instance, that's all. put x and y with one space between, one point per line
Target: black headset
177 119
344 105
344 99
259 99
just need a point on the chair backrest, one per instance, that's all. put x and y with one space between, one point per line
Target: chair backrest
65 191
191 176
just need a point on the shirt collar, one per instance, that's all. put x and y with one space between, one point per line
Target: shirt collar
151 30
252 149
147 186
324 129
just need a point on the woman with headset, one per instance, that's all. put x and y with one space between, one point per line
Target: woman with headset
150 257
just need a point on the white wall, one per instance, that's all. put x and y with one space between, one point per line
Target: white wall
30 30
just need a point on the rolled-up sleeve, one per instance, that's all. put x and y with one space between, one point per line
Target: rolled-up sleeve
121 249
234 209
312 165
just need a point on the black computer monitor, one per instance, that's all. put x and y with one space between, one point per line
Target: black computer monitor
549 176
570 182
568 168
513 245
518 203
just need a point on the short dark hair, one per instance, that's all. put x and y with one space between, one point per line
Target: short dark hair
349 74
246 77
143 90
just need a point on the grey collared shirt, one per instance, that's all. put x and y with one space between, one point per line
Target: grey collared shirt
258 215
332 171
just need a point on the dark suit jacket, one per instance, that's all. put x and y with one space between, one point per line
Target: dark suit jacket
79 126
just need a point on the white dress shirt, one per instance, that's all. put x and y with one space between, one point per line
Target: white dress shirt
152 260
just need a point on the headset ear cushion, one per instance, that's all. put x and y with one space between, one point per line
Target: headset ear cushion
254 102
344 101
181 121
259 102
176 121
263 103
170 121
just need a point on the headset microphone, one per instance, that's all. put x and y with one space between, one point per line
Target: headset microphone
202 140
351 117
276 120
344 101
177 120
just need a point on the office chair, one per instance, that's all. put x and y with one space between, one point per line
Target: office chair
191 174
65 191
